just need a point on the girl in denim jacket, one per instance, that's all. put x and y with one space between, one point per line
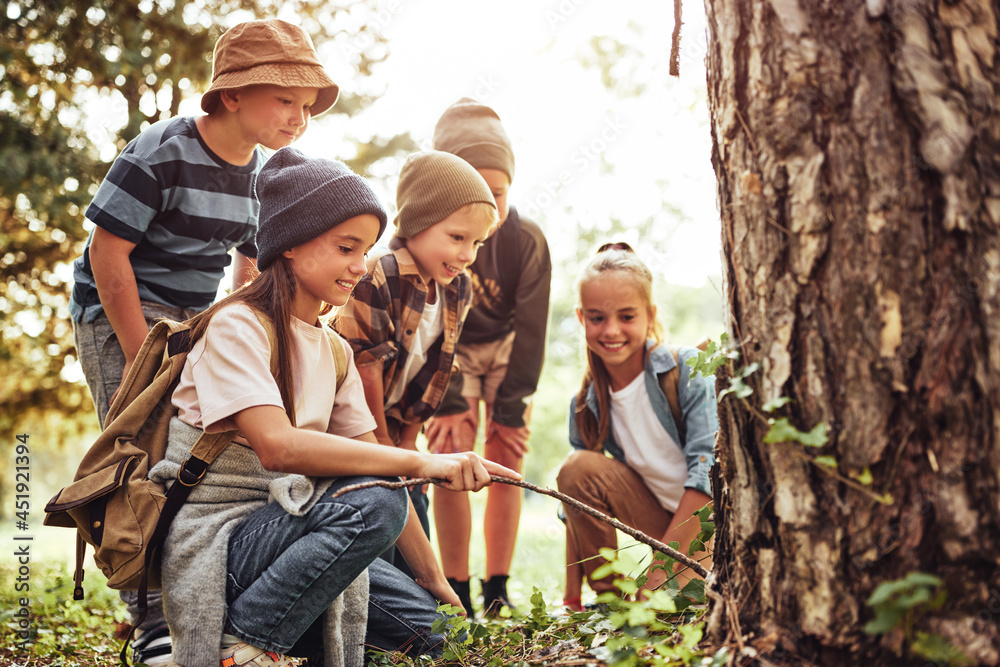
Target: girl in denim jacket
657 473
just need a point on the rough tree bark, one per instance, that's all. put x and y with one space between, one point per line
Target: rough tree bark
857 149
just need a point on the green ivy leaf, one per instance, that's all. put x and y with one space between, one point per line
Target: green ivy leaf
660 601
775 403
738 388
782 431
694 589
828 461
893 601
938 650
884 621
639 615
713 356
864 477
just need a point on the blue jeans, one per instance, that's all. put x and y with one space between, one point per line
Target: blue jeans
284 571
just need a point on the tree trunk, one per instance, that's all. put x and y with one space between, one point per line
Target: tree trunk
857 150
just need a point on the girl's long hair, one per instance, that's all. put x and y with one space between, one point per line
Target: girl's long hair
270 292
594 431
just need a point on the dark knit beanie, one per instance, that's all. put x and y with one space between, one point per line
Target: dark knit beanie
473 132
432 186
302 197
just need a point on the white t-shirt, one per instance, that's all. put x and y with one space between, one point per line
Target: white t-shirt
431 326
228 370
648 448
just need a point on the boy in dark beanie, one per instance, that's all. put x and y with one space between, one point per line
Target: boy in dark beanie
500 354
404 320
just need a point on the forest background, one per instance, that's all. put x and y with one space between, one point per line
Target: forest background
609 147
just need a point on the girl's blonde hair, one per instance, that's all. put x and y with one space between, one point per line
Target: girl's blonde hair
271 292
611 257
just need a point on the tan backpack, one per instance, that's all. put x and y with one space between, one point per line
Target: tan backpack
111 503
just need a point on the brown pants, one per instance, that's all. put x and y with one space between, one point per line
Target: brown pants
612 487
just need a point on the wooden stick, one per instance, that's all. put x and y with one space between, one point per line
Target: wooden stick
638 535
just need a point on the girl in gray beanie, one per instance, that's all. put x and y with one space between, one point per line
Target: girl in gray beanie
262 549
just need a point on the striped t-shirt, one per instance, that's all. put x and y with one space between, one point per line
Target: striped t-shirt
183 206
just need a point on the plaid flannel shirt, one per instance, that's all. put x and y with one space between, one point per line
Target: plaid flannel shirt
381 318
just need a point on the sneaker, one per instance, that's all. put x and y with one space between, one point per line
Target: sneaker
495 596
152 647
245 655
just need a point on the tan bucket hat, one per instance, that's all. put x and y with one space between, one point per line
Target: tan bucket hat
272 52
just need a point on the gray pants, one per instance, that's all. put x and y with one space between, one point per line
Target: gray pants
103 362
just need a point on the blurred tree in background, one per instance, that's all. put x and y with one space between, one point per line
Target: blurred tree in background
58 62
631 74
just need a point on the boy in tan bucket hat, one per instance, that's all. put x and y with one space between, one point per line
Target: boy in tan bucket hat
177 206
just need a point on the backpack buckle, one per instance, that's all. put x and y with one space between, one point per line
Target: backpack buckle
187 477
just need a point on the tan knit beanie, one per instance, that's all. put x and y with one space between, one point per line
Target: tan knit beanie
473 132
432 186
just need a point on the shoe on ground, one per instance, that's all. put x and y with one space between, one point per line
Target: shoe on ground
245 655
495 596
152 647
461 589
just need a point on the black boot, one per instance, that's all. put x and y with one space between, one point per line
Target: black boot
461 589
495 595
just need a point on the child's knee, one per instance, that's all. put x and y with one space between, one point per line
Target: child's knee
386 512
580 470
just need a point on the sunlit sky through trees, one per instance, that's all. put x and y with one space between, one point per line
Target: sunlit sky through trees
600 130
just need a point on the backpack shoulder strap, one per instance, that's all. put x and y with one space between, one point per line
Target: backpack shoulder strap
154 363
339 355
668 383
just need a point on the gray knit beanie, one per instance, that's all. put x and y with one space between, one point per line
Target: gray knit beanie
473 132
302 197
432 186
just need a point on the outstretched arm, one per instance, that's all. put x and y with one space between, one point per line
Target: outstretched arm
682 529
285 448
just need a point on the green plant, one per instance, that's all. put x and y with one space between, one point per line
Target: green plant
900 604
779 428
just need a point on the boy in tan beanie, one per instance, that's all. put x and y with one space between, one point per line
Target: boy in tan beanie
500 354
177 207
404 320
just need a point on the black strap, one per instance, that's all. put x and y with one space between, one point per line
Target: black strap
188 477
81 549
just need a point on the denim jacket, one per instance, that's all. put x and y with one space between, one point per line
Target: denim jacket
696 395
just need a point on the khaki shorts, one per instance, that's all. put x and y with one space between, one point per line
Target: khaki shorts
484 366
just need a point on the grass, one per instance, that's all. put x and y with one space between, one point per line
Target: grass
60 631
